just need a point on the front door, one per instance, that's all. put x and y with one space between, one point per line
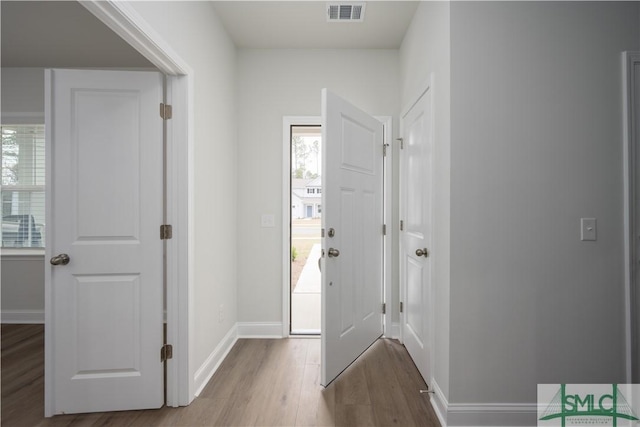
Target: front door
104 273
415 239
352 244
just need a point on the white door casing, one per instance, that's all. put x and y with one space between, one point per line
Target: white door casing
353 207
104 208
415 235
631 153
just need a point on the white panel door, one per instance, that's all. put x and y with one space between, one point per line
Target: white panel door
415 264
104 205
352 244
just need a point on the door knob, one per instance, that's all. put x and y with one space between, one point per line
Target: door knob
62 259
333 253
422 252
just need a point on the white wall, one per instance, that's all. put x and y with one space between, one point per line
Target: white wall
273 84
536 144
196 35
425 51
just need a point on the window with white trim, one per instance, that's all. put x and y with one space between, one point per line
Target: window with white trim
23 186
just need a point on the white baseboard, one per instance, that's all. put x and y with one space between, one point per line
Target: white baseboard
259 329
211 365
439 403
482 414
22 316
492 414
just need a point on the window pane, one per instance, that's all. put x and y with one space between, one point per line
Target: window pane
23 180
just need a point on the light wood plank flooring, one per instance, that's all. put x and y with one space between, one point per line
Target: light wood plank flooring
261 383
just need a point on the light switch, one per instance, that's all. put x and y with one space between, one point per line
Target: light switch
588 229
268 220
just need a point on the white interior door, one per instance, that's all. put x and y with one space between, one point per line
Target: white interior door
104 208
352 244
415 265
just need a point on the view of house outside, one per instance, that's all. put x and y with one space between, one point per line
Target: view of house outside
306 212
306 195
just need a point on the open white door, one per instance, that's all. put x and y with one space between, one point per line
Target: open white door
352 244
104 308
415 238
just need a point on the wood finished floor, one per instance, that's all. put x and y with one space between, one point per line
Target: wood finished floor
261 383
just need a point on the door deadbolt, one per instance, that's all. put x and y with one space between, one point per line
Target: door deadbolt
331 232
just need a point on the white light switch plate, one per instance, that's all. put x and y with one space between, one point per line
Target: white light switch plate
587 229
268 220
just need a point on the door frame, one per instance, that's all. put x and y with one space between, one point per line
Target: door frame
125 21
287 122
387 279
631 145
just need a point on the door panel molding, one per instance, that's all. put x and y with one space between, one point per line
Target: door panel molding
104 310
416 206
352 199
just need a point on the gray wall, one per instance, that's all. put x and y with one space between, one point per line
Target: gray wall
529 142
22 91
22 278
536 144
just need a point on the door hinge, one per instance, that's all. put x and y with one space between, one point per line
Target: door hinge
401 143
384 150
384 229
401 307
166 232
401 225
166 112
166 352
384 308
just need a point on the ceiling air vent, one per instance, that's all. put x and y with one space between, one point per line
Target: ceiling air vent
345 12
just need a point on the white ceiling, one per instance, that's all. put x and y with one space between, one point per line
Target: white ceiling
303 24
65 34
